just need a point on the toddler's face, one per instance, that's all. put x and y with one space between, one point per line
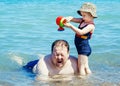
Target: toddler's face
86 16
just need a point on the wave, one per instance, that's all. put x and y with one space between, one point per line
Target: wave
14 61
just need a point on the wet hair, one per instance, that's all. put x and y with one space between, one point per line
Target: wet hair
60 43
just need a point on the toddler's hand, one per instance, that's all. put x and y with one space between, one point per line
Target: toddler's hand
69 18
68 25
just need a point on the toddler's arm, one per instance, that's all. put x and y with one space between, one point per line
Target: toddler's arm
72 19
89 28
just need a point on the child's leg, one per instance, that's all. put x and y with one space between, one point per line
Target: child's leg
83 65
87 69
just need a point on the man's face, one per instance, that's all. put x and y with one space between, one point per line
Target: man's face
60 56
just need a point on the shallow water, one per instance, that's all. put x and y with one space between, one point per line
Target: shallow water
27 29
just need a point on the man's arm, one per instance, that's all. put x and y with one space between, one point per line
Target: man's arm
40 68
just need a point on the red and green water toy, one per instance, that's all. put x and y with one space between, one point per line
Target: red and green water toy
60 21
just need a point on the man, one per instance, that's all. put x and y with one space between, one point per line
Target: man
59 62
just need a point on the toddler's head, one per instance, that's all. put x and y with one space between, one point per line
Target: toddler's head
88 7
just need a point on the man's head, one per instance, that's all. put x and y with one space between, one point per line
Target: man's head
60 53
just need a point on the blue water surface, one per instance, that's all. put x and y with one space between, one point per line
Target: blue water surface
28 28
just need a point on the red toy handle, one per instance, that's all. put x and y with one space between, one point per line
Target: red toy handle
60 29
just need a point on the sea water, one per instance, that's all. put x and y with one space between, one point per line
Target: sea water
28 28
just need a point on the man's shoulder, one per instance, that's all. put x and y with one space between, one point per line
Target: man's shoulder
44 59
73 61
41 66
72 57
